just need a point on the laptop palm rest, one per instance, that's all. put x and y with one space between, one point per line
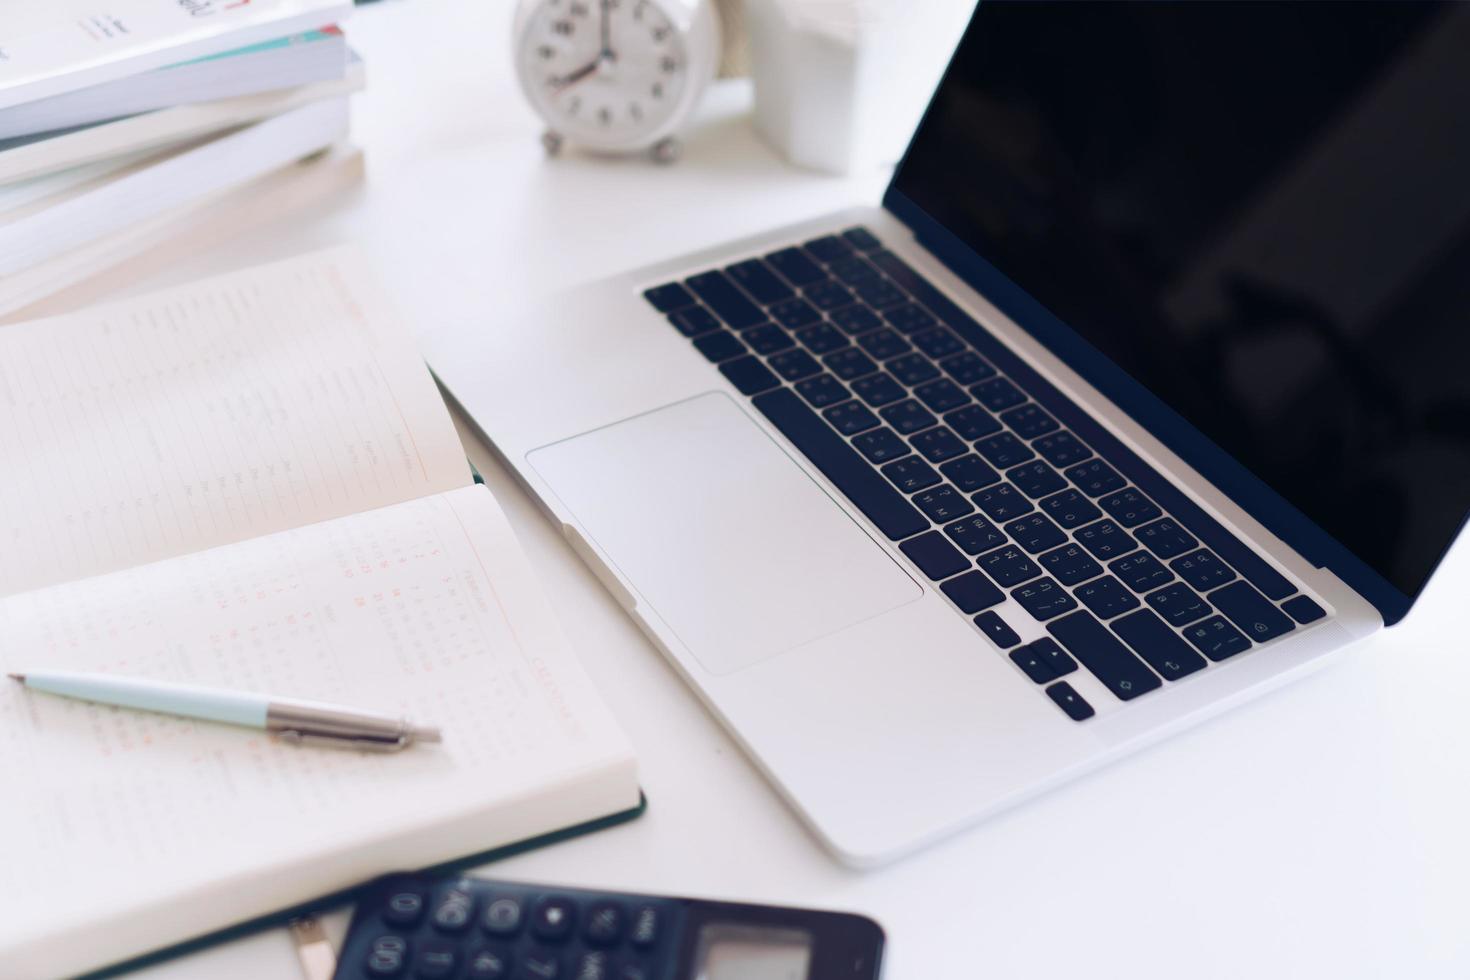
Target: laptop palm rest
731 543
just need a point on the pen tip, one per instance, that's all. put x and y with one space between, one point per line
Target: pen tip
17 677
424 734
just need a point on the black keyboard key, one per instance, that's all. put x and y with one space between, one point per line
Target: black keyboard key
1008 566
1003 449
1235 553
972 592
1106 597
1061 449
720 345
1035 533
967 368
767 338
1141 572
1303 610
911 474
969 473
828 248
894 516
454 910
941 395
938 444
794 313
854 270
855 319
436 959
1061 662
879 292
692 321
1029 421
997 394
1163 650
1044 599
386 957
1069 565
1002 502
1216 638
1104 655
997 629
822 338
725 299
849 363
748 375
1035 479
909 318
880 445
943 503
975 534
884 343
1165 538
757 279
795 266
486 963
1178 604
793 365
850 418
827 295
606 922
1070 509
938 342
1034 667
972 422
862 239
821 391
907 416
934 555
1202 570
1129 507
1070 701
1094 477
913 369
404 909
669 296
1105 540
1256 616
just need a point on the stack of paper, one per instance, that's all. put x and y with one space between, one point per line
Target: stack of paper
117 124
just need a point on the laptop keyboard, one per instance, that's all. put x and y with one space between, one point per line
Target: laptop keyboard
989 480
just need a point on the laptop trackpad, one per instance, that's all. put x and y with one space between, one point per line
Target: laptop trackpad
729 541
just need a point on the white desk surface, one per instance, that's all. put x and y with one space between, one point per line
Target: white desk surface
1321 832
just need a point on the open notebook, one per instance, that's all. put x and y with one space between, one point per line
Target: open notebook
253 482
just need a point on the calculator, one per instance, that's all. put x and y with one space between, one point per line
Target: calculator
437 927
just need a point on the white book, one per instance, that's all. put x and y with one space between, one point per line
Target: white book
28 157
300 59
53 46
252 482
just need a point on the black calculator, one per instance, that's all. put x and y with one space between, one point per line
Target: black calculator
436 927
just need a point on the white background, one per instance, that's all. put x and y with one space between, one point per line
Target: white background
1319 832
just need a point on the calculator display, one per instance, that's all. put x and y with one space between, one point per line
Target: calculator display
737 952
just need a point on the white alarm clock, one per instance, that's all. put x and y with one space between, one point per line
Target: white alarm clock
616 76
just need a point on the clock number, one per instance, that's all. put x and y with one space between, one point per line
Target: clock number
604 115
562 27
635 111
638 10
668 64
657 90
578 10
546 52
660 34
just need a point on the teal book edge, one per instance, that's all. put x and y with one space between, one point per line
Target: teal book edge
323 903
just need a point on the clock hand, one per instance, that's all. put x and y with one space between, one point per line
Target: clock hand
568 81
607 51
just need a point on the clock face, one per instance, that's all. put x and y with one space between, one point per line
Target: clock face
607 73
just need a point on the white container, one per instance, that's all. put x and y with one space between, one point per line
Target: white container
840 84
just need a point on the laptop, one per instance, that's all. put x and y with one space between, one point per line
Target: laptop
1143 393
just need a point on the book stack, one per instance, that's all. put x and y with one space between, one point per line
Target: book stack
121 127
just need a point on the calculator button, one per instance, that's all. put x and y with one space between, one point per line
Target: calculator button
455 910
645 927
540 964
553 919
502 917
404 909
633 971
436 960
604 924
592 966
386 956
488 964
1070 701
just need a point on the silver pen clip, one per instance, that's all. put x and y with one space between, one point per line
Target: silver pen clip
308 723
362 743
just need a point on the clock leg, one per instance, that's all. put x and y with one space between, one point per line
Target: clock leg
552 141
666 150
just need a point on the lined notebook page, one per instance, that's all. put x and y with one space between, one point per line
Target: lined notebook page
232 407
147 828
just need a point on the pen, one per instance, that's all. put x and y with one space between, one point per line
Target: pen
296 721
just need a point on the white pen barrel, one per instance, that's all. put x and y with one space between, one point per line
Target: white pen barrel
230 707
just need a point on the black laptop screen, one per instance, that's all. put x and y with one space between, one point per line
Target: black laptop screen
1260 211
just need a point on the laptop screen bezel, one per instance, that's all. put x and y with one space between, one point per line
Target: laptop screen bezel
1220 468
